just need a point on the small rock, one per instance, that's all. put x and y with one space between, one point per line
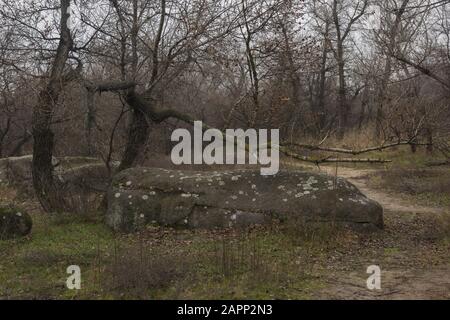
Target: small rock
14 223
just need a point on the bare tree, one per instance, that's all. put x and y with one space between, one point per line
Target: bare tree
45 186
344 17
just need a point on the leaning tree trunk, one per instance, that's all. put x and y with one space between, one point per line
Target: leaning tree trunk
138 133
136 139
47 191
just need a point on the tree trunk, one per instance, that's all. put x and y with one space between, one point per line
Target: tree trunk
388 68
342 92
3 134
322 78
138 133
139 127
90 121
414 145
429 135
47 191
342 98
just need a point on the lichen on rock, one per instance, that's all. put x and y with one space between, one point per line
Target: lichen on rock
212 199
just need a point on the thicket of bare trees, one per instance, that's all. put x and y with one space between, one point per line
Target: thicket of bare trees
109 78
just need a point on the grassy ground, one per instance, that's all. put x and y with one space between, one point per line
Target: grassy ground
277 262
157 264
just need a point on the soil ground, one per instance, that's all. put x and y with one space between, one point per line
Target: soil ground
408 250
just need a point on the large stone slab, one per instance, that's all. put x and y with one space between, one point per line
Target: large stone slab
208 199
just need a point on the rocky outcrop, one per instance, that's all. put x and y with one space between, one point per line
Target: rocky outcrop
14 223
140 196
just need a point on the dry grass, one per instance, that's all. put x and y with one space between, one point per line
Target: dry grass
317 235
418 181
431 186
139 272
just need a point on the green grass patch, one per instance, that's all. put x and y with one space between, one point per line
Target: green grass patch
156 264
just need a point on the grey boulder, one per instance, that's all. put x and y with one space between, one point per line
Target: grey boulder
214 199
14 223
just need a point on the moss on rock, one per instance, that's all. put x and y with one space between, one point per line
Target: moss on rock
14 223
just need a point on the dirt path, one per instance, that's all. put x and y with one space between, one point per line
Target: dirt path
396 285
388 201
414 263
